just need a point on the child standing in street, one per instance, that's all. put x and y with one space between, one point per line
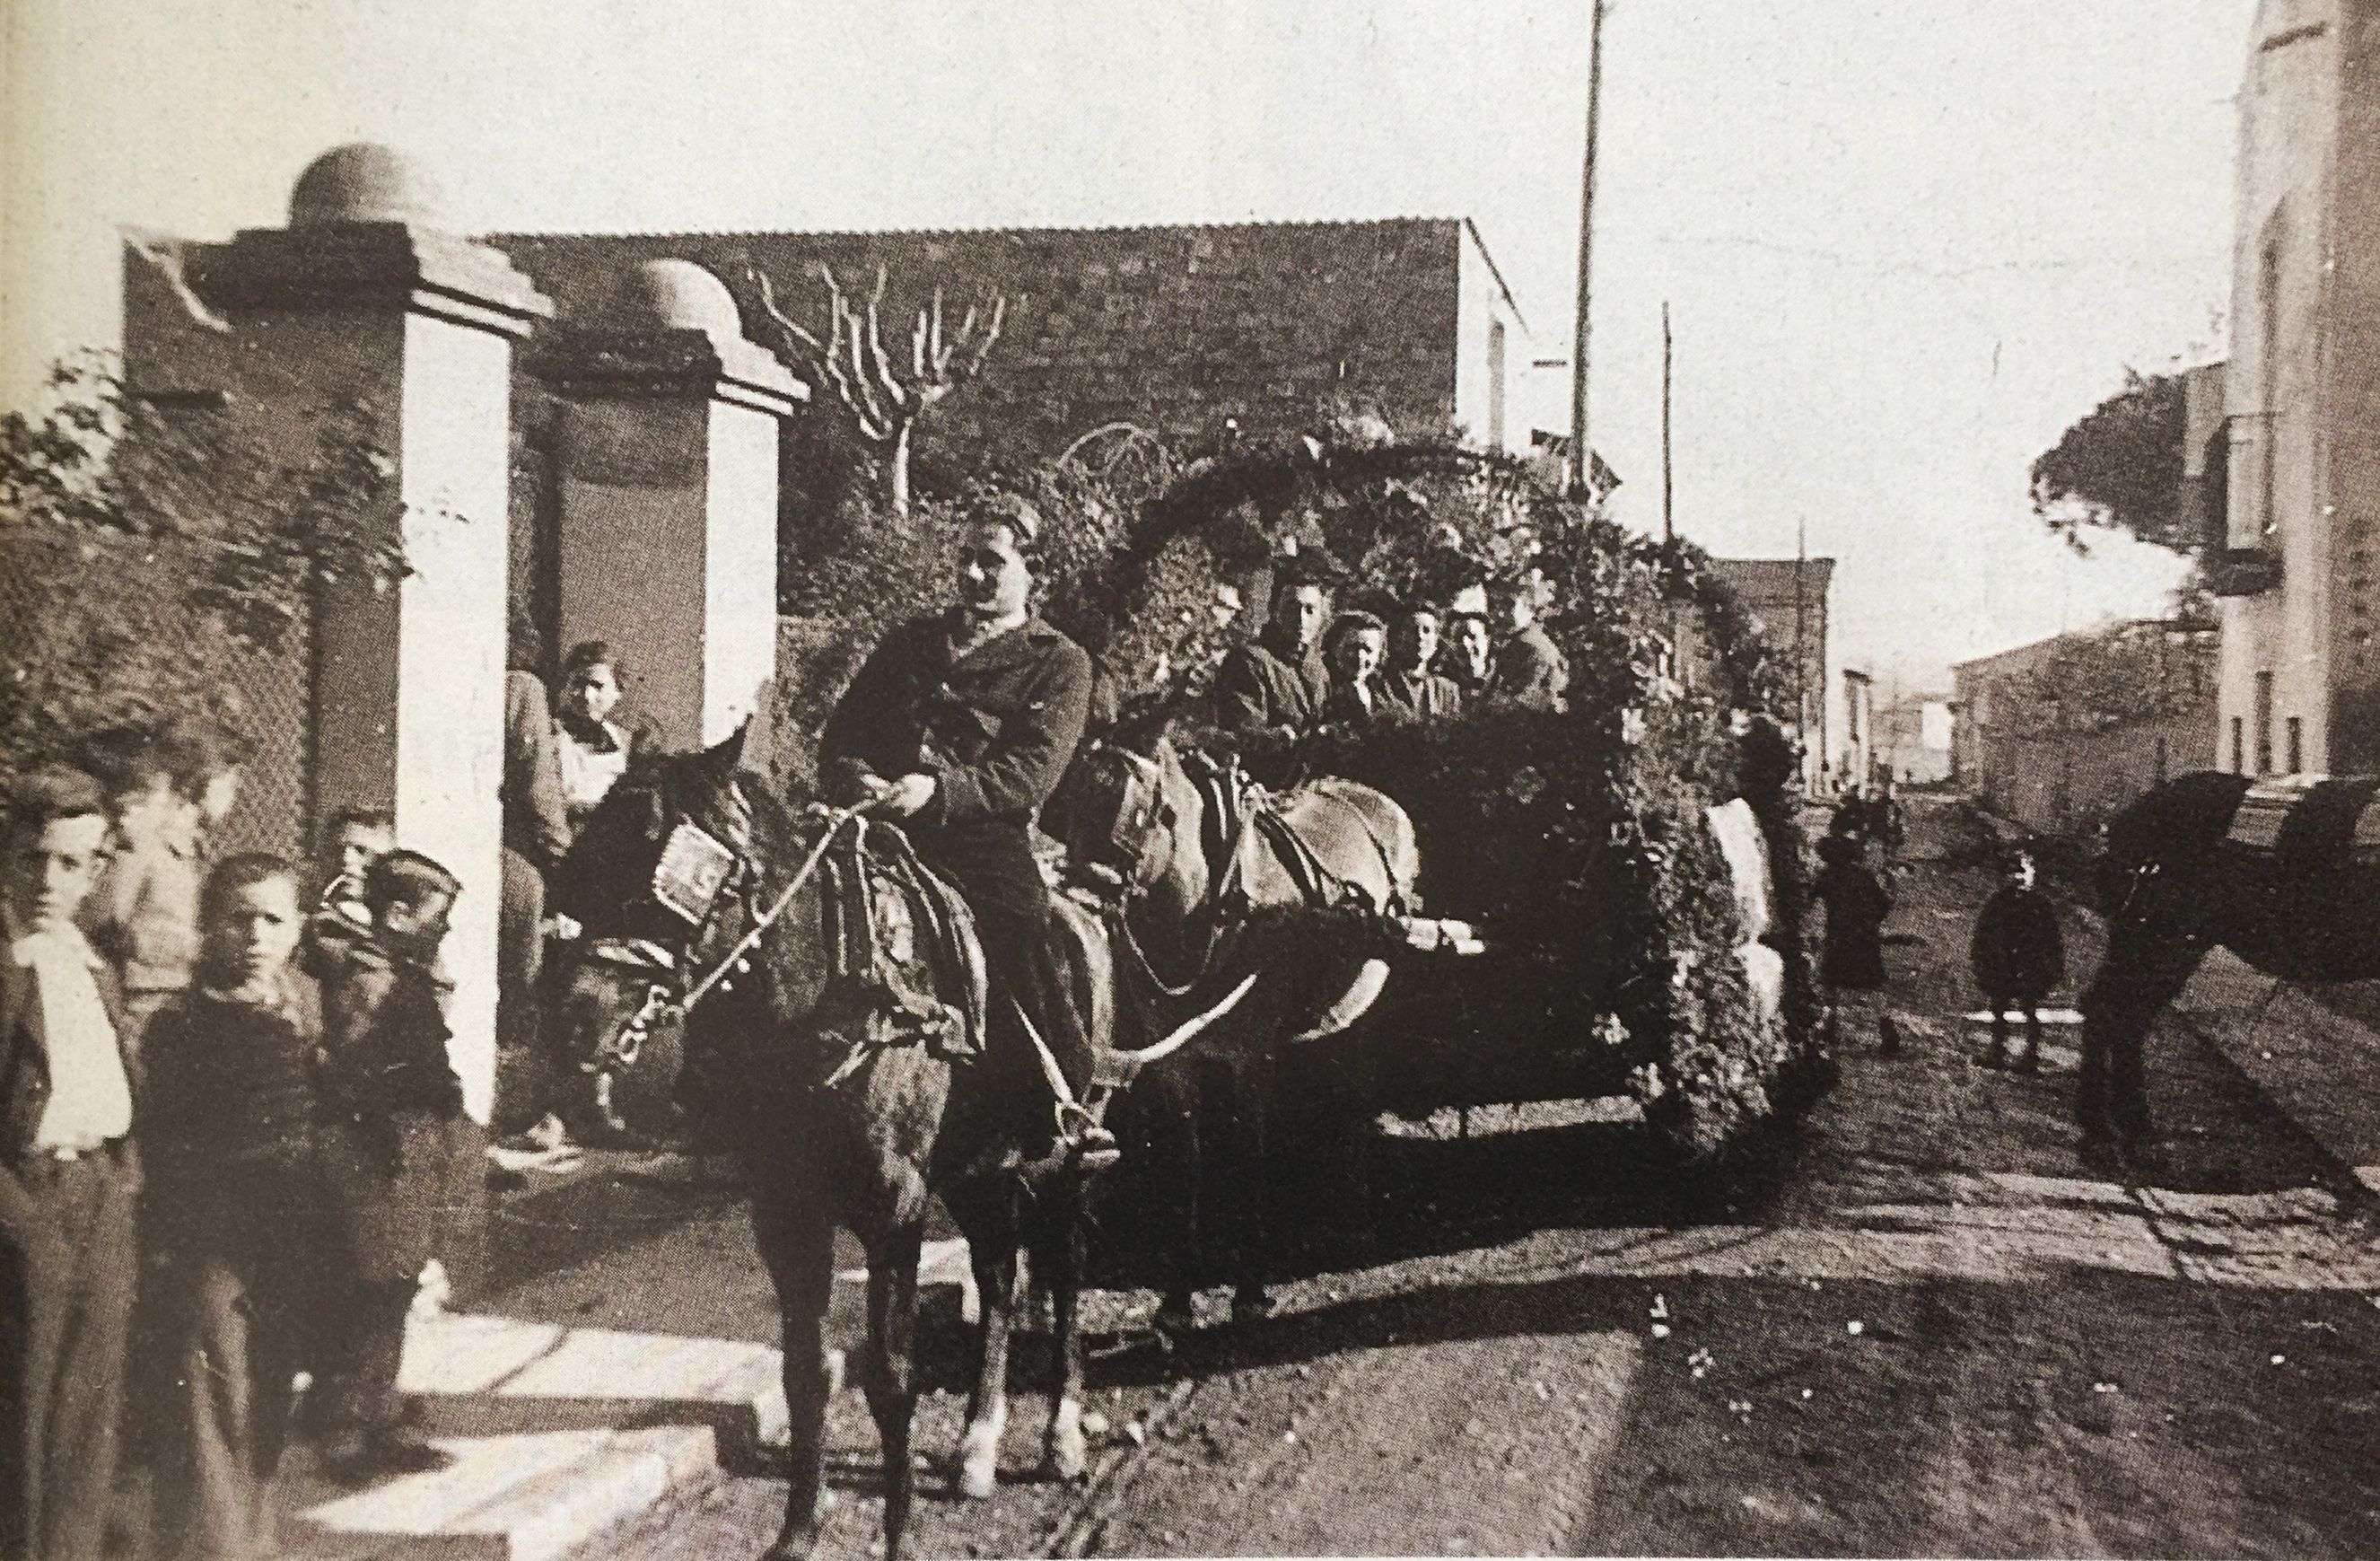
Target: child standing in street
387 1153
2018 956
1852 960
235 1118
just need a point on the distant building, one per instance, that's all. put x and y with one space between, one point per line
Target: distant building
2299 573
1913 740
1787 600
1855 764
2062 733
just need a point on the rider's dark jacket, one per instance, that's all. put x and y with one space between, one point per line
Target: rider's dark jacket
1268 701
995 727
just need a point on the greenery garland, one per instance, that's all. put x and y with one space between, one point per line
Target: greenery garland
1578 837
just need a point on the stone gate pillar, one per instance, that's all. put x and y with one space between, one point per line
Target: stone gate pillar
364 297
668 544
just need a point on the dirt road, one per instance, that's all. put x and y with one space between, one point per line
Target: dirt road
1928 1330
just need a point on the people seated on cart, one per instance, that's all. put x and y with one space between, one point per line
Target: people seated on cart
1270 691
1531 670
1471 661
1409 683
1352 650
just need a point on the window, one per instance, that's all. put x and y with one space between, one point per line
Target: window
1495 385
2264 723
2239 748
2297 745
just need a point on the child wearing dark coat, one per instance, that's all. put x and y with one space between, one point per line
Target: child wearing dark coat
234 1117
393 1103
1852 959
2018 956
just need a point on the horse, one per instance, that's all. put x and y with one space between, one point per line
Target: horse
840 1103
1195 872
2284 873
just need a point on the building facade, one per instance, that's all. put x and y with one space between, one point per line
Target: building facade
2300 570
1787 600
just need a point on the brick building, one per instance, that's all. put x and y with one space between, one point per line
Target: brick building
1787 599
1172 329
2300 574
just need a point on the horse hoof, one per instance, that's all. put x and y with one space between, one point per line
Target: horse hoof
1064 1456
1254 1305
1174 1324
978 1479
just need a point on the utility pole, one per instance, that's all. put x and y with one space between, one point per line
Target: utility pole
1668 524
1582 455
1802 658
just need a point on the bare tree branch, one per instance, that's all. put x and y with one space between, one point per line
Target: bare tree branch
883 402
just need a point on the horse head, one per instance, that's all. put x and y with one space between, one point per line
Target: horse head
1126 817
645 879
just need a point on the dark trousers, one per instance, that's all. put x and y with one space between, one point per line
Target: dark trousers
245 1335
63 1317
532 1081
2002 1003
1025 961
243 1293
364 1347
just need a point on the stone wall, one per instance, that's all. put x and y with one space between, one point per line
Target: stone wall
2069 783
1171 328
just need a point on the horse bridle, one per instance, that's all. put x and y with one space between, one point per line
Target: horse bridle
1143 815
669 996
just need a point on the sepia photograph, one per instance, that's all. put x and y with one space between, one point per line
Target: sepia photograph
876 778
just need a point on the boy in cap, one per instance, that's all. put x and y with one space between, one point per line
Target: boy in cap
393 1101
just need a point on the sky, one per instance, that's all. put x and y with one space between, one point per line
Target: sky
1905 242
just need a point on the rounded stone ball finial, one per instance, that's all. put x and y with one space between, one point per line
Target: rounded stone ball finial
364 182
677 295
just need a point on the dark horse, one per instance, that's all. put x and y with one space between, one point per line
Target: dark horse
2285 874
1205 874
842 1113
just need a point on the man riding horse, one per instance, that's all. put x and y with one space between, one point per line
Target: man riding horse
959 725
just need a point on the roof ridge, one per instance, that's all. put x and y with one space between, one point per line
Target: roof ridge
988 231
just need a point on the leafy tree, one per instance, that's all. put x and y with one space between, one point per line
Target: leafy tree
146 550
2120 469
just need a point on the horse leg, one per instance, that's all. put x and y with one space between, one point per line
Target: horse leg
987 1215
2145 969
797 1244
1059 1264
1251 1179
1180 1153
890 1383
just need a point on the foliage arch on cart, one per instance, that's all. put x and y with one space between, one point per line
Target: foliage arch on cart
1605 851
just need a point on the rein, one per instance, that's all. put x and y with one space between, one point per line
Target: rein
623 1046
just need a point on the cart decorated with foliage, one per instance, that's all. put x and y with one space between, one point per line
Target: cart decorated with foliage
1609 854
1628 866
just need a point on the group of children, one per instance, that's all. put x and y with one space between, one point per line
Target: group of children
2017 954
293 1134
